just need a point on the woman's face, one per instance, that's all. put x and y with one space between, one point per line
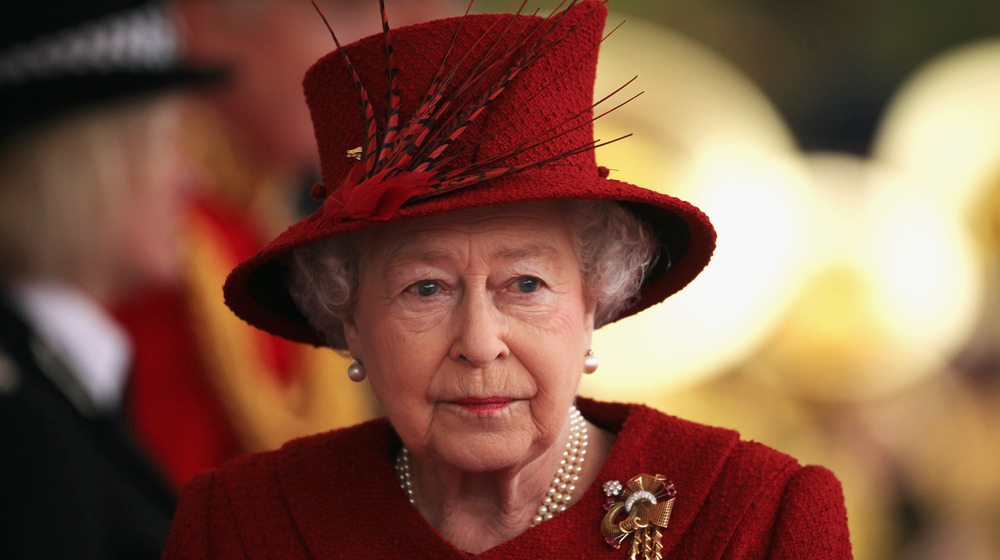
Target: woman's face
472 328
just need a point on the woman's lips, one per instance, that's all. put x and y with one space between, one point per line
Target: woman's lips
484 404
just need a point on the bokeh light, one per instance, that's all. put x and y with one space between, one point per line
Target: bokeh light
709 136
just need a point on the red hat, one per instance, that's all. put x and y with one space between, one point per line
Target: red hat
484 110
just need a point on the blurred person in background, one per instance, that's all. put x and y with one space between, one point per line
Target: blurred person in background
91 188
207 387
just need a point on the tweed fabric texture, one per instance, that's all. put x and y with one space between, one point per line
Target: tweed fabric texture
335 495
557 88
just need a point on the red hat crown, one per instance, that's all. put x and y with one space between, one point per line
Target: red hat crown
442 107
453 114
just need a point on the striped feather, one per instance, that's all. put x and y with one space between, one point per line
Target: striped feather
392 118
410 161
553 132
368 113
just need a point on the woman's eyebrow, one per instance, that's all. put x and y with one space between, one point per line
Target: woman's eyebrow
403 257
533 251
407 255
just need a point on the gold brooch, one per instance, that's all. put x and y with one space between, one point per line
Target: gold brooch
646 502
355 153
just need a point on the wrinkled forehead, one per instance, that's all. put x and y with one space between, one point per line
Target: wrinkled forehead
538 232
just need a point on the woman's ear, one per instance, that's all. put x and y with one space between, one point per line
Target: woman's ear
352 336
589 312
588 321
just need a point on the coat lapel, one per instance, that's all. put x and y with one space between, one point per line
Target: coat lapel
342 485
689 455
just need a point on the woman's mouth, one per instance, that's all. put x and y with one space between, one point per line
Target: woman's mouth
485 405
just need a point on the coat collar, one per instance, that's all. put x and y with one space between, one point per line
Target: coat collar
689 455
81 333
24 353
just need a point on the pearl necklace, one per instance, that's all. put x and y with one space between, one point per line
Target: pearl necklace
563 484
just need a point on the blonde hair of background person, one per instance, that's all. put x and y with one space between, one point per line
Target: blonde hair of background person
94 199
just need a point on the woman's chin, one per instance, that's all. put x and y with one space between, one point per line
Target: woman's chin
483 454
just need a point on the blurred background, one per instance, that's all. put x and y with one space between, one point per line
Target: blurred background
848 153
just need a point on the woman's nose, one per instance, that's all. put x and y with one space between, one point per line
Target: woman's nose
480 328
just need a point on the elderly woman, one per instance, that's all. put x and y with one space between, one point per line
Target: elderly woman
467 247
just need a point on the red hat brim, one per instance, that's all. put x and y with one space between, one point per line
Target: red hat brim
256 290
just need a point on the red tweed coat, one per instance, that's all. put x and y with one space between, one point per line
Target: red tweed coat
335 495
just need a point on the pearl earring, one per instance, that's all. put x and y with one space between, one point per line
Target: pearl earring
356 372
589 362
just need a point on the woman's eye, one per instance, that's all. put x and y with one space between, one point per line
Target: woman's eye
426 288
527 284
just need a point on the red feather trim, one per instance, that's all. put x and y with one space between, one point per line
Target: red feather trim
375 198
